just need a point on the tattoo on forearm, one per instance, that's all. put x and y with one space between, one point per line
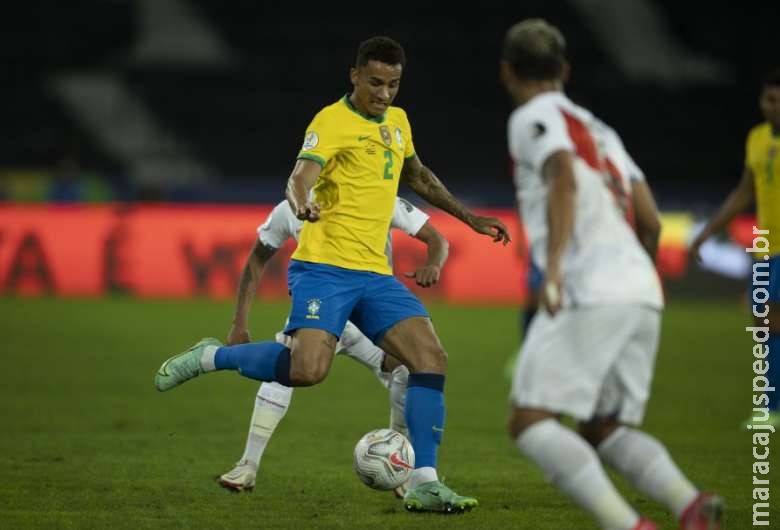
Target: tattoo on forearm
427 185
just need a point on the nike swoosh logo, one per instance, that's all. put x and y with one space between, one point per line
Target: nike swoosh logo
361 138
438 429
163 371
395 459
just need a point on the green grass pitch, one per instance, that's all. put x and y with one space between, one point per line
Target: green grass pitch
87 442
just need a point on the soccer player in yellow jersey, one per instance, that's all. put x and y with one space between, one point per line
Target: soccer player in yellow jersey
344 183
761 182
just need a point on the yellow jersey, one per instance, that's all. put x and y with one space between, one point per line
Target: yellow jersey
763 159
361 158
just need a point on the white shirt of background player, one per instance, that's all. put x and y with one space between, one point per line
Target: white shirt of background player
603 262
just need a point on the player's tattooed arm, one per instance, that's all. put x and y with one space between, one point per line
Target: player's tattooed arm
737 202
247 287
301 181
428 186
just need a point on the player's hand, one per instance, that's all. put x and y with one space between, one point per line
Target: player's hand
694 251
492 227
237 335
425 276
309 211
552 293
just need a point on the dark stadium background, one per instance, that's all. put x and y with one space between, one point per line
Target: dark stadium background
244 113
142 141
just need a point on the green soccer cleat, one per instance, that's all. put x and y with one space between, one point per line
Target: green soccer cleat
436 497
182 367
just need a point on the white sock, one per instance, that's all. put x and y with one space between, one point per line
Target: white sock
207 358
398 382
421 475
646 463
271 405
572 465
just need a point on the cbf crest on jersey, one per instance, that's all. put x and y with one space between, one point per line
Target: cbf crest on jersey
398 137
385 133
313 308
311 141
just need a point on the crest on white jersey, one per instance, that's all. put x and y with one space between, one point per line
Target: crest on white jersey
311 141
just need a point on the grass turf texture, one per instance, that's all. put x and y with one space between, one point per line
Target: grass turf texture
87 442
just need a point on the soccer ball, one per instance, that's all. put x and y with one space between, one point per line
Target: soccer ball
384 459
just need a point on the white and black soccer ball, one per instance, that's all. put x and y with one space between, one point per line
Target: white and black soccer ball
384 459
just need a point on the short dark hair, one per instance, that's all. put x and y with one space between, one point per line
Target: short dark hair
535 50
772 78
382 49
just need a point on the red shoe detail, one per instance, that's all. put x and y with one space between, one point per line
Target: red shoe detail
645 524
703 513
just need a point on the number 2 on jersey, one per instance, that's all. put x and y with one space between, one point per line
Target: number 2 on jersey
389 165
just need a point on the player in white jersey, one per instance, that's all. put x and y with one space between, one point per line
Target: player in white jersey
273 399
590 354
628 185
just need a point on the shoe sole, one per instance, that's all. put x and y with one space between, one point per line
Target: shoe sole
417 506
712 510
234 487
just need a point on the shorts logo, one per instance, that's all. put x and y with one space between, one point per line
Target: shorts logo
311 141
399 137
313 308
385 133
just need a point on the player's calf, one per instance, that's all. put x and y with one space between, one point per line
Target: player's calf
311 356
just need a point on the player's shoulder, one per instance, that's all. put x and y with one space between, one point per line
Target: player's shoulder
546 105
759 131
606 134
397 114
333 111
283 209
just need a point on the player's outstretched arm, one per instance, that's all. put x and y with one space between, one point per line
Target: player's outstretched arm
425 184
738 201
247 287
558 170
648 223
301 181
438 251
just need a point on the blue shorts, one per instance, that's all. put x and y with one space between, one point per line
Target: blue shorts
535 277
774 278
325 297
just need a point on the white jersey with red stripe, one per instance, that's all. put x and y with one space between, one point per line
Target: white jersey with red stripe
621 169
603 262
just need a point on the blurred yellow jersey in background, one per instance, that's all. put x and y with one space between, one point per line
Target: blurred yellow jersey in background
361 158
763 159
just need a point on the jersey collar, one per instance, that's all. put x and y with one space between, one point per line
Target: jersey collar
353 108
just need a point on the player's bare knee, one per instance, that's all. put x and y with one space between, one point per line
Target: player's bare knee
308 374
597 430
521 419
433 360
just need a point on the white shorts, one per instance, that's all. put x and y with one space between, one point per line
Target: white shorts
588 362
